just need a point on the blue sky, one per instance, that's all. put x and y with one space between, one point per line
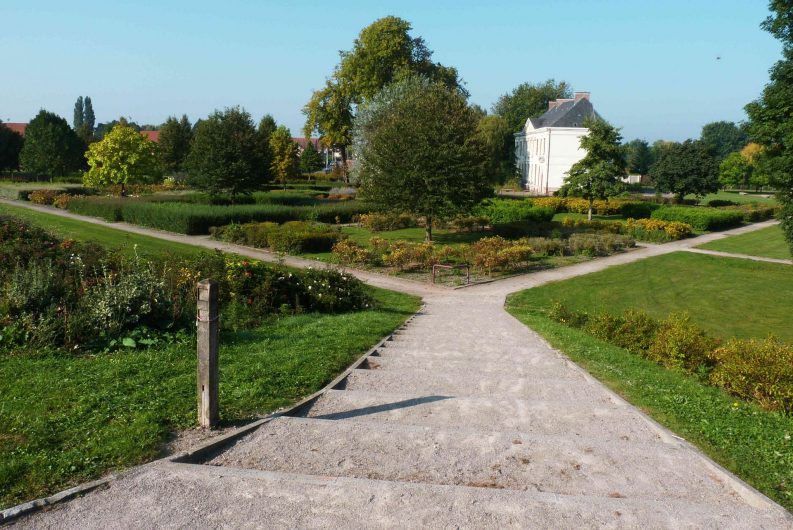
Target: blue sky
651 66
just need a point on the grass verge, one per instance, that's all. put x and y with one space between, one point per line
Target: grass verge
768 242
68 419
102 235
729 297
754 444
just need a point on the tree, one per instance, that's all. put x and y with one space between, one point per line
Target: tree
384 52
267 127
529 101
686 168
599 174
225 157
10 146
310 159
174 143
735 171
499 142
638 157
79 113
723 138
89 119
418 150
771 116
285 163
51 147
123 156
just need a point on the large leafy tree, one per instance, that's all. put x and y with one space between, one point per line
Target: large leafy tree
529 100
723 138
225 156
79 114
418 150
285 163
638 157
599 174
89 118
384 52
310 159
123 156
51 147
174 142
735 171
686 168
267 126
10 146
499 142
771 116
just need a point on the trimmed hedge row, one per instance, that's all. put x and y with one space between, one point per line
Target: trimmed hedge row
195 219
294 237
504 211
701 218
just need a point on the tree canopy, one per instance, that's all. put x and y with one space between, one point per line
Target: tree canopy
499 143
418 150
771 115
123 156
51 147
384 52
735 171
174 143
686 168
225 156
10 147
638 157
267 126
285 163
310 159
723 138
529 101
599 174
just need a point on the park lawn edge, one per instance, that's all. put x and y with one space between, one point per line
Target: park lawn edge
724 428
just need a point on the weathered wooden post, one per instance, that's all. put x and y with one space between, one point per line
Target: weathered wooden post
207 345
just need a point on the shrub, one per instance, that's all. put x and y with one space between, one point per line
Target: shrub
107 209
574 319
754 212
637 209
615 227
657 230
469 223
557 204
62 200
381 222
701 218
503 211
547 246
716 203
348 252
296 237
46 197
598 244
759 370
680 344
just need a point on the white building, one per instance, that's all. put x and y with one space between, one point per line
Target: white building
549 145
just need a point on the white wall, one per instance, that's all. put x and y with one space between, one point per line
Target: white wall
565 151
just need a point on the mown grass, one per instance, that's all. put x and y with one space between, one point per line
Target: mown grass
104 235
754 444
768 242
729 297
735 196
67 419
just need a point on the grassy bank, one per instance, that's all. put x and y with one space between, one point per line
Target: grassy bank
97 233
768 242
726 296
67 419
754 444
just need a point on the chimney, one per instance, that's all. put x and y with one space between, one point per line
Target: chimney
552 104
581 95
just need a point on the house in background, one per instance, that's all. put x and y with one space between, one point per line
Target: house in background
17 127
154 136
548 146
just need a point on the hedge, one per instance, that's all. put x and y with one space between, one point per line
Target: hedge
638 209
503 211
700 217
193 219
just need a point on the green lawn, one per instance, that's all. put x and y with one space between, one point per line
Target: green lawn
10 190
734 196
729 297
768 242
754 444
103 235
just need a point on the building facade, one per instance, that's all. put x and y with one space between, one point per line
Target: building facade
548 146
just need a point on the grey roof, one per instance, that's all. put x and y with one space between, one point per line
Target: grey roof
568 114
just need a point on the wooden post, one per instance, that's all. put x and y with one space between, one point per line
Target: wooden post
207 346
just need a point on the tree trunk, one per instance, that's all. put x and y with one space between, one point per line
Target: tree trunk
123 191
680 198
344 174
589 213
428 229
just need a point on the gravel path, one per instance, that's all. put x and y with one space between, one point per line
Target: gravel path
465 419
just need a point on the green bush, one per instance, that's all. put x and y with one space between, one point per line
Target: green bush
716 203
680 344
294 237
759 370
754 212
503 211
102 207
637 209
700 217
598 244
381 222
